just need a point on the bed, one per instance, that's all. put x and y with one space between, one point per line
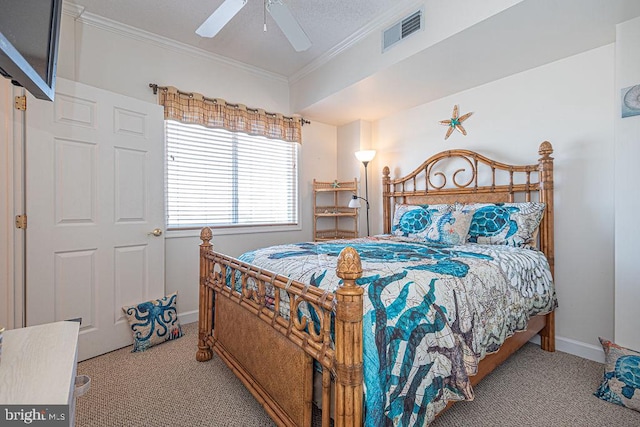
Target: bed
387 325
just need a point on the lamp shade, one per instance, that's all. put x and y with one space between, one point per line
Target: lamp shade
354 202
365 156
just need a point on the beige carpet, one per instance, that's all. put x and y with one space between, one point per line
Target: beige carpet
166 386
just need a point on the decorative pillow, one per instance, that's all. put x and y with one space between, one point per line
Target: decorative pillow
621 380
414 220
449 228
153 322
512 224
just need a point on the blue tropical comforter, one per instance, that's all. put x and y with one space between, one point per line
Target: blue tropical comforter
431 313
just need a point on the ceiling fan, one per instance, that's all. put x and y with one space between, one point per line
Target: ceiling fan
276 8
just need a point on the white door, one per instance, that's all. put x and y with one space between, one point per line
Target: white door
94 186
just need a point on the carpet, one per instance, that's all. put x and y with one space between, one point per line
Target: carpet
166 386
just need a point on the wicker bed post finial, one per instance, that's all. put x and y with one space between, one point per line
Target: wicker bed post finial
205 317
348 342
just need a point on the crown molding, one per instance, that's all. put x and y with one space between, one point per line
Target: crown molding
71 9
382 21
128 31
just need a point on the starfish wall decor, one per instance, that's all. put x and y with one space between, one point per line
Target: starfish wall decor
455 122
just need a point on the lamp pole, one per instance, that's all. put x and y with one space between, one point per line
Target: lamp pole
366 192
365 156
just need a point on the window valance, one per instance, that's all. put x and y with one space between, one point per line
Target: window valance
194 108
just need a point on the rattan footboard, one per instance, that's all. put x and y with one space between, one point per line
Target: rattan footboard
241 324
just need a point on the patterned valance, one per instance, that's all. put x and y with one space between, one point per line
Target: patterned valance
217 113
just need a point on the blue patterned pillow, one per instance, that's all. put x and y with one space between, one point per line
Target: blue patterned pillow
449 228
621 380
414 220
512 224
153 322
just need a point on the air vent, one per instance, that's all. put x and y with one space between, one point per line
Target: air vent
401 30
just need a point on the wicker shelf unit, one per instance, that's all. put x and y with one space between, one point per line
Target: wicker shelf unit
332 217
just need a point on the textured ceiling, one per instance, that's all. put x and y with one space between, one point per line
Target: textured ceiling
326 22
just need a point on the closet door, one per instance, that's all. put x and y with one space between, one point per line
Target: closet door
94 188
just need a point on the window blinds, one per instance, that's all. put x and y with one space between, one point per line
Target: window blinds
219 178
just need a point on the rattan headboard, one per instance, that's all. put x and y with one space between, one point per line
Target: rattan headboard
440 179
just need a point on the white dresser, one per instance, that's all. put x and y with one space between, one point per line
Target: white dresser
38 365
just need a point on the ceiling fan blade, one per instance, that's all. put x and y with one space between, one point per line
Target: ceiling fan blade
220 17
289 26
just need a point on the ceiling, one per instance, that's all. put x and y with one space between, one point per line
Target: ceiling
526 35
326 22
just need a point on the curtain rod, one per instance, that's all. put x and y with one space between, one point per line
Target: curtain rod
156 87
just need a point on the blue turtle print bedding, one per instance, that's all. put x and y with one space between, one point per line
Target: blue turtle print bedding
431 313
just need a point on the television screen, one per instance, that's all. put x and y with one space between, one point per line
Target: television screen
29 32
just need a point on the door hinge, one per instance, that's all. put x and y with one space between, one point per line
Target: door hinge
21 103
21 222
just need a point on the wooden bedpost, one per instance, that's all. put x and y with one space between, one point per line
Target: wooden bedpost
205 317
545 168
349 349
386 200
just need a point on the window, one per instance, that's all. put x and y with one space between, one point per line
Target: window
224 179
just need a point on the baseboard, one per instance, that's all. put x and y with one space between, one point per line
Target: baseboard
577 348
188 317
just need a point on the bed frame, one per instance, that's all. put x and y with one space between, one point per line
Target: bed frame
273 355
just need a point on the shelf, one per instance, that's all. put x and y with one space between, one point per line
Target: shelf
324 186
331 214
323 190
330 206
335 234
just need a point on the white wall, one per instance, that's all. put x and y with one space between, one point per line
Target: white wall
120 59
352 137
627 202
363 56
124 60
569 103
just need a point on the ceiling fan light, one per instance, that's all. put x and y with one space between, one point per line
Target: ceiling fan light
220 17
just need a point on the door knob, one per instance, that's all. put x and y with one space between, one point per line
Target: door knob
157 232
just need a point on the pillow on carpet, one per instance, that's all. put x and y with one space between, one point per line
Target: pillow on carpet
153 322
621 381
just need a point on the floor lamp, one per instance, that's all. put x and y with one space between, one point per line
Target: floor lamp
365 157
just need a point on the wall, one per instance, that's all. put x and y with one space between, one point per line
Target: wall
569 103
121 59
627 202
362 56
352 137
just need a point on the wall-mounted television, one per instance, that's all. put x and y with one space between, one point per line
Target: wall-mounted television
29 35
